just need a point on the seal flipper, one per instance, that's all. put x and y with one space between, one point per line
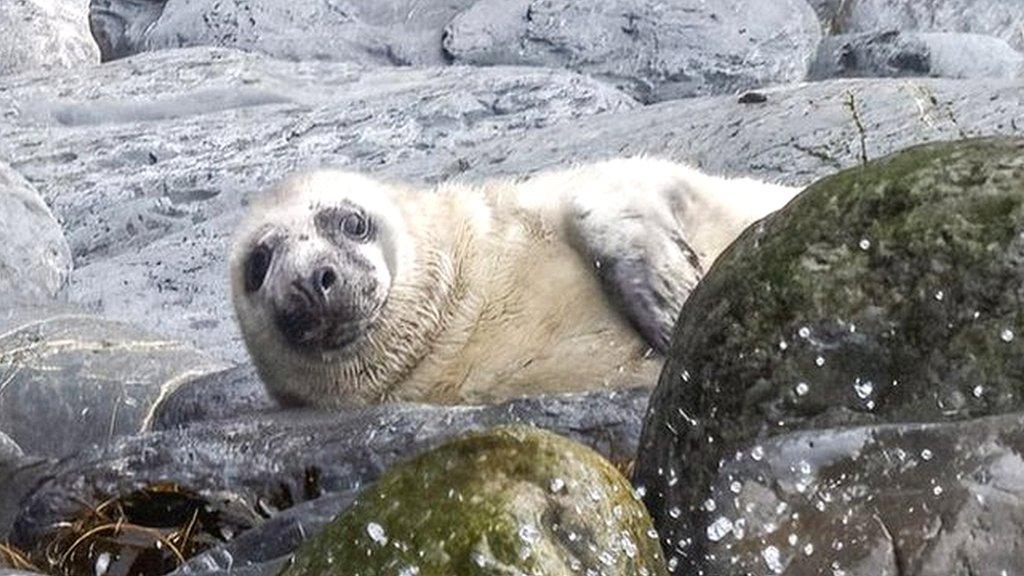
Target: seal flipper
646 268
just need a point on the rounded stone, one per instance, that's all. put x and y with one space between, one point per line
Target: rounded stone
884 293
512 500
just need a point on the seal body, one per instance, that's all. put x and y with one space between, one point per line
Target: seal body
350 291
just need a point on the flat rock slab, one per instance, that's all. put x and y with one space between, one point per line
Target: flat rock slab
44 34
35 260
383 32
272 461
936 54
654 50
69 381
894 499
148 161
999 18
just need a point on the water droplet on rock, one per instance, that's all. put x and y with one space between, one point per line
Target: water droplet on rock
926 454
802 388
772 559
865 244
376 533
1006 335
719 529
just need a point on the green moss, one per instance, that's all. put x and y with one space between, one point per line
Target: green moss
491 503
904 272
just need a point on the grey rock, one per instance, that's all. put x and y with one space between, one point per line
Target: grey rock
653 50
891 499
40 34
73 380
936 54
512 500
220 395
9 449
275 460
383 32
999 18
35 260
270 543
148 161
887 293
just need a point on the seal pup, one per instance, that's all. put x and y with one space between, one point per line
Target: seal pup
352 291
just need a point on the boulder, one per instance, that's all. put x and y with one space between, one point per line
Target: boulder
936 54
653 50
383 32
999 18
70 381
267 462
941 498
35 261
221 395
506 501
884 294
44 34
149 161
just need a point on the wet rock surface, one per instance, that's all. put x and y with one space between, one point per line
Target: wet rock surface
71 380
269 462
943 498
887 293
893 54
653 50
45 34
507 501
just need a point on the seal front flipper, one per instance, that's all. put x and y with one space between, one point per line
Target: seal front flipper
646 268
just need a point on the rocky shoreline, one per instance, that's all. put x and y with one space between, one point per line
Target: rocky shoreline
121 183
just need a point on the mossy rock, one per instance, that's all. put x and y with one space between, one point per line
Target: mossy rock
509 501
892 292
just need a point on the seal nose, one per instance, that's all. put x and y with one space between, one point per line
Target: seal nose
324 278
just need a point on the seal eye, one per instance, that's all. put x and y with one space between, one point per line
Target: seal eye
355 226
256 267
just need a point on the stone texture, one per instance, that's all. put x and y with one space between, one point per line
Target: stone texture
220 395
511 500
69 381
44 34
885 293
935 54
383 32
148 161
9 449
653 50
925 499
35 261
999 18
269 462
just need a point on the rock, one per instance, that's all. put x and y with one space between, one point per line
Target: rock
148 161
9 449
884 294
273 541
35 261
386 32
892 53
942 498
220 395
73 380
44 34
272 461
653 50
506 501
999 18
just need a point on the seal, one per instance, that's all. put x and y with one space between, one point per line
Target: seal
352 291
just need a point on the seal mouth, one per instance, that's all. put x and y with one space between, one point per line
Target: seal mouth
309 324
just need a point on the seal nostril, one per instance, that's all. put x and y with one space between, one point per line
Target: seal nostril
326 279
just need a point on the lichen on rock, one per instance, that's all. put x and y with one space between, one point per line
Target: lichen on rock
512 500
